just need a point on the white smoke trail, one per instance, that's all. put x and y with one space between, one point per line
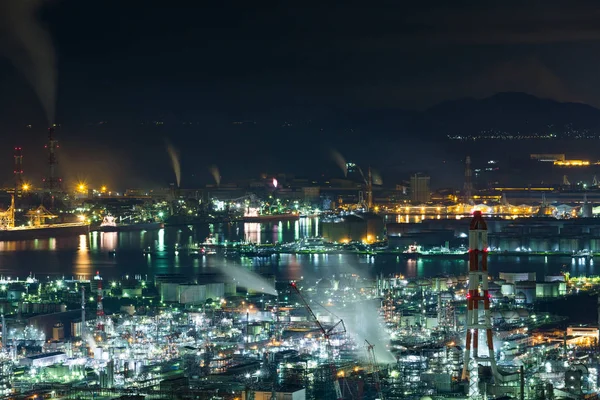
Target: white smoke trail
29 47
174 154
340 161
249 280
363 323
214 171
376 177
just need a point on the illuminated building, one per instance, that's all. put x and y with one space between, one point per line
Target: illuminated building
420 189
572 163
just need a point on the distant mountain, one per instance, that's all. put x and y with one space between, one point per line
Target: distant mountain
513 113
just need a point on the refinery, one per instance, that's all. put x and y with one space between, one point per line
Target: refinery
235 328
230 333
201 236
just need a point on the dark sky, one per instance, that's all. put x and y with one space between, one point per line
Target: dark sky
212 63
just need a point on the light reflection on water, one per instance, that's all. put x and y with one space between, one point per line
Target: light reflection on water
86 254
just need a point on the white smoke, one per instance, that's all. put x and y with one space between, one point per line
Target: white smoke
340 161
362 318
29 47
363 323
376 178
248 279
214 171
174 155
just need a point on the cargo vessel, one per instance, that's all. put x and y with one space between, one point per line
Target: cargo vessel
110 225
44 231
415 251
271 217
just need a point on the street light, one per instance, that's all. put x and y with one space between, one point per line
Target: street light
25 187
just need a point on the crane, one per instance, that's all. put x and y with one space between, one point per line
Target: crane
327 333
374 369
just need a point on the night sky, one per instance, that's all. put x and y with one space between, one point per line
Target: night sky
292 72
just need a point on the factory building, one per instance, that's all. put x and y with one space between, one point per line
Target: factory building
354 227
514 277
44 360
191 293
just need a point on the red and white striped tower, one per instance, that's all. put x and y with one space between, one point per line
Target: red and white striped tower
478 300
100 308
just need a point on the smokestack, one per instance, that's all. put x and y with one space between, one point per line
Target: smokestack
100 307
18 169
4 332
468 191
52 183
82 311
369 190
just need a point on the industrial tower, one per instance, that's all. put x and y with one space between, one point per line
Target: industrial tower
468 190
51 182
369 190
478 296
18 169
100 307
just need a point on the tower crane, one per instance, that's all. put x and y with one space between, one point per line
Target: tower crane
374 369
327 333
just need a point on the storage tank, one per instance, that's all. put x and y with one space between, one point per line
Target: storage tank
192 294
508 289
526 288
168 291
215 290
569 245
495 291
547 289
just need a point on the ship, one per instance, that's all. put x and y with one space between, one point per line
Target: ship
109 224
271 217
37 228
415 251
44 231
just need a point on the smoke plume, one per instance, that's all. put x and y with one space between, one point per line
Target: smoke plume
362 322
29 47
248 279
376 178
174 154
214 171
340 161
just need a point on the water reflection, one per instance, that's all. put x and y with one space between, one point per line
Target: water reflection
83 263
252 231
161 240
108 240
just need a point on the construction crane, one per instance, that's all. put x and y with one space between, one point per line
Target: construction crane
374 368
327 333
